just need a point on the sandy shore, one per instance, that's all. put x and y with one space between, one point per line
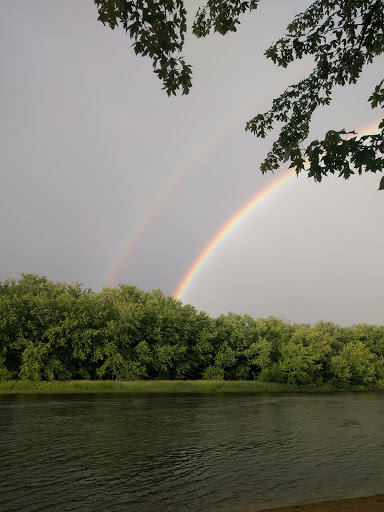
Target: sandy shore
368 504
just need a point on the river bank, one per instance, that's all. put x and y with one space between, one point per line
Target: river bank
163 386
365 504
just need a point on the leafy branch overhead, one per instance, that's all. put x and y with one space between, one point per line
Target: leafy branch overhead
342 36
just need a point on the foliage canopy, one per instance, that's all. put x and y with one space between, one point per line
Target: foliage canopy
341 35
51 331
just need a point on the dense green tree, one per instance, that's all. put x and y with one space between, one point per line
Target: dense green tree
213 372
199 336
259 357
31 311
342 36
299 362
327 341
54 331
234 335
354 365
163 331
371 335
274 331
118 340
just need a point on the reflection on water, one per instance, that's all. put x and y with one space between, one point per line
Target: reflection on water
187 453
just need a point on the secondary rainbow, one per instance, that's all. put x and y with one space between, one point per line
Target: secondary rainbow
234 221
170 185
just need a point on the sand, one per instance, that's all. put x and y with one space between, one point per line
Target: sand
367 504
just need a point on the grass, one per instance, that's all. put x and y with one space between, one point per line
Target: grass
158 386
140 386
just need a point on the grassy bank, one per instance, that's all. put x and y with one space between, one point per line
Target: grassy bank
158 386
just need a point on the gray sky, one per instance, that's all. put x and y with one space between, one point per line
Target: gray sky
90 145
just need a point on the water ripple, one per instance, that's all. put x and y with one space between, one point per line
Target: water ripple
187 453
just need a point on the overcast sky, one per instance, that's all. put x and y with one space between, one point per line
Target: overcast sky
95 158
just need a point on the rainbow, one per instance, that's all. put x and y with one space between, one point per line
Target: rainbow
235 220
161 197
145 219
226 229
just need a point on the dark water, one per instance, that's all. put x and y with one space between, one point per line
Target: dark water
187 453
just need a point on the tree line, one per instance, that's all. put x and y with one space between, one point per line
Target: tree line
61 331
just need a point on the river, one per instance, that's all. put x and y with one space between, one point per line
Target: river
187 453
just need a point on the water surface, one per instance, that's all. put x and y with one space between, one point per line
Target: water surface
187 453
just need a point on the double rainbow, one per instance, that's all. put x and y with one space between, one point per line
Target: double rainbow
131 240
